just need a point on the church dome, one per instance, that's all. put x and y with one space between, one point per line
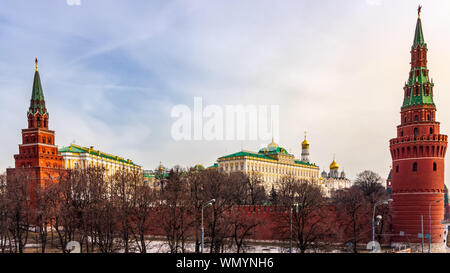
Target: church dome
334 165
272 144
305 144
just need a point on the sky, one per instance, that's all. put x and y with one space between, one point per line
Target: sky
112 71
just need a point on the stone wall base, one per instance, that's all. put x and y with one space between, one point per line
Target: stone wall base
417 248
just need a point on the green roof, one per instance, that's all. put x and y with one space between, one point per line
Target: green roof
418 35
419 76
242 153
37 103
273 150
79 150
263 156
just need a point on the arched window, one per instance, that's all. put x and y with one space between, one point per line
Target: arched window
428 117
431 130
434 166
415 167
416 118
416 133
396 169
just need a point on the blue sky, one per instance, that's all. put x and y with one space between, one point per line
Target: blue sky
112 71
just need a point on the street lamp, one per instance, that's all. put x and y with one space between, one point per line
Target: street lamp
384 202
290 226
429 223
203 229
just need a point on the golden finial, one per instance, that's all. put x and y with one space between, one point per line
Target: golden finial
36 62
305 135
418 11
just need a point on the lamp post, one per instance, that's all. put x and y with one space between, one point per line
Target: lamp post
384 202
290 226
203 228
429 223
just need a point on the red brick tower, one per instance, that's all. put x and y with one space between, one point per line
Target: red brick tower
418 154
38 160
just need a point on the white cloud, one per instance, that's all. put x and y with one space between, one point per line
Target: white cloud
73 2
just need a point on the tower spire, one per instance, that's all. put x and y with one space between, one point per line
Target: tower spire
418 36
37 113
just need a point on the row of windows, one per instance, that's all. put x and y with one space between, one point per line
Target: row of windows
415 167
416 118
38 123
32 139
416 90
421 151
240 167
416 132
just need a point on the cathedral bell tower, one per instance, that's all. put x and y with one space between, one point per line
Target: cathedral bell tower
305 150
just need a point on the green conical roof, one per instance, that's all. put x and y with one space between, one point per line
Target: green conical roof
418 36
37 103
419 78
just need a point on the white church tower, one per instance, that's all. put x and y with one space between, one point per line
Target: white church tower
305 150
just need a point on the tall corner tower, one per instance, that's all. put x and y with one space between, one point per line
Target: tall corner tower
418 154
38 157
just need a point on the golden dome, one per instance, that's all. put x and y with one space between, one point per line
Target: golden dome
305 143
334 165
273 144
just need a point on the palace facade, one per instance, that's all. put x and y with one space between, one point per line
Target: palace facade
271 163
75 156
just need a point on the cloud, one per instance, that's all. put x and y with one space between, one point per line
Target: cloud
73 2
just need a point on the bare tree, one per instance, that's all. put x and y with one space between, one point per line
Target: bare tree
241 228
142 208
4 234
371 185
20 193
310 214
353 212
255 190
174 211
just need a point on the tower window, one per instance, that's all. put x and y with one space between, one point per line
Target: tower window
401 133
431 130
396 169
416 118
416 133
434 166
428 117
415 167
